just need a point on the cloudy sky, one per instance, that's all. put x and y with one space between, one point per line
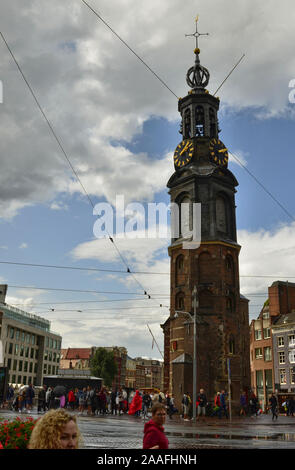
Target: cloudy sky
119 126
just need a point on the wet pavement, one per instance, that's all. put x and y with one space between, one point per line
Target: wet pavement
126 432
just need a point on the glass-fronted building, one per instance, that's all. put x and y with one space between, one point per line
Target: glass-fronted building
29 349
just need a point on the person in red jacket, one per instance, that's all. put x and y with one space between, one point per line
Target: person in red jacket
136 404
71 399
154 436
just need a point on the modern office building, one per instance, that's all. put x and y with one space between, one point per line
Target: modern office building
29 348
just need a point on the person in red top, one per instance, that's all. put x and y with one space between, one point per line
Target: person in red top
71 399
154 436
136 404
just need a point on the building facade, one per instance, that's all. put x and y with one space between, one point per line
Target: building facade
271 350
261 356
202 180
149 374
80 358
130 379
30 349
75 358
283 334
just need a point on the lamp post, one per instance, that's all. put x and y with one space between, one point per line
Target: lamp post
195 304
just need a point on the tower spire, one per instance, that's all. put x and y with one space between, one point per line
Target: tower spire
197 77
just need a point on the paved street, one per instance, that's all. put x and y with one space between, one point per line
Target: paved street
125 432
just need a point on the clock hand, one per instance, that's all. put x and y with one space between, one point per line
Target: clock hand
184 149
223 150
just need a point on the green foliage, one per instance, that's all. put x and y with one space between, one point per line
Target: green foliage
16 434
103 364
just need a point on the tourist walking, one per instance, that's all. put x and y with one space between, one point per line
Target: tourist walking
202 403
273 405
136 404
71 399
217 406
243 404
253 404
30 394
82 400
185 406
154 436
223 403
146 403
42 400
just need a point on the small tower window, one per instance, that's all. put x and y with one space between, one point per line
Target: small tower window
179 270
231 345
185 225
187 124
179 304
221 222
212 121
200 121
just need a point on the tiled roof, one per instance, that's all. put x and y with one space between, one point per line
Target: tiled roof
76 353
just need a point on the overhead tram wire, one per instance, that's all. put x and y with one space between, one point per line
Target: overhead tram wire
73 169
130 49
68 160
117 271
78 290
262 186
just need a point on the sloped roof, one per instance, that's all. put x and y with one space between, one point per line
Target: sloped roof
76 353
285 319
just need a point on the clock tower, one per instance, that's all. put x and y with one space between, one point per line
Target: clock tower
222 320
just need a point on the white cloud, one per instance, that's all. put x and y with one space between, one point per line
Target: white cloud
22 246
95 91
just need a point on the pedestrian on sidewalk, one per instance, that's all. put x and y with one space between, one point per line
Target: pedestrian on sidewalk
202 403
154 436
253 404
243 403
273 404
29 398
42 400
223 403
136 404
185 406
71 399
217 406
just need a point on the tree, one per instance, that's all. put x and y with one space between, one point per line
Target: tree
103 364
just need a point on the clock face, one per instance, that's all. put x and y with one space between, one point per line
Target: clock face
183 153
218 152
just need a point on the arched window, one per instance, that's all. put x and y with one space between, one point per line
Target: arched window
185 217
221 217
187 124
230 270
230 303
231 345
179 270
200 121
179 301
212 121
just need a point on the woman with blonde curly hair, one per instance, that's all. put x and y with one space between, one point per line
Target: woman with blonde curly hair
57 429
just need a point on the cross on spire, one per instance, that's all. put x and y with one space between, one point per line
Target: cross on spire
197 34
198 76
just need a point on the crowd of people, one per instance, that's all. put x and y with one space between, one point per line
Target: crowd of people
93 401
88 400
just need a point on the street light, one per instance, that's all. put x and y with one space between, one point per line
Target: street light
193 319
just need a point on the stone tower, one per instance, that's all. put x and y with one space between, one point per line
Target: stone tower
202 176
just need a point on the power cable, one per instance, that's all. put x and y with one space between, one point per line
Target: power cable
130 49
68 159
263 187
